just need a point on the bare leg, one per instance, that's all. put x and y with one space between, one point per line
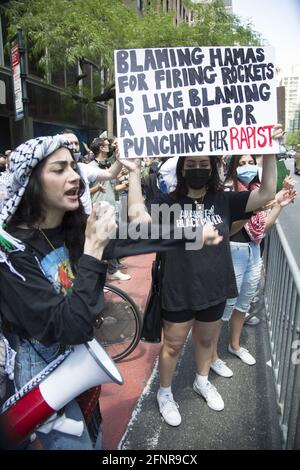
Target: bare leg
204 334
175 335
236 326
204 339
216 340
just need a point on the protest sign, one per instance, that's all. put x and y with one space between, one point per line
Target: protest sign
195 100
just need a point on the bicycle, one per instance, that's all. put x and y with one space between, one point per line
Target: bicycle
119 327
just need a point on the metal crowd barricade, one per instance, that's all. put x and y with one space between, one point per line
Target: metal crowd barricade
282 302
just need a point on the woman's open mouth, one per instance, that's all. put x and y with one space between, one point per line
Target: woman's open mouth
72 193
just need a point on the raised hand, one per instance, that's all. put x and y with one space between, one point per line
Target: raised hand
285 197
100 228
278 132
132 164
101 188
288 183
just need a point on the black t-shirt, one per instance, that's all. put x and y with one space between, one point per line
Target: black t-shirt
195 280
47 302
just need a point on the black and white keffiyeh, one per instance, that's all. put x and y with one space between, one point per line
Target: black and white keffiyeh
22 161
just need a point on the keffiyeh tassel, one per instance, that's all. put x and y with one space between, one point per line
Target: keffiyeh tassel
9 244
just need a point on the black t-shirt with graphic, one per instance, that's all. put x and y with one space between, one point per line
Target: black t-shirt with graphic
195 280
45 301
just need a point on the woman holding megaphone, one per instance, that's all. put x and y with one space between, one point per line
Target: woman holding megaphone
51 271
51 279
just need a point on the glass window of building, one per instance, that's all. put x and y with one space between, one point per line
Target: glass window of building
5 55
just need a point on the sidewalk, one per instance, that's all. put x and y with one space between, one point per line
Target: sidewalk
249 420
131 419
117 402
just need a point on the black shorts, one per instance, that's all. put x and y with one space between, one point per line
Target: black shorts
209 314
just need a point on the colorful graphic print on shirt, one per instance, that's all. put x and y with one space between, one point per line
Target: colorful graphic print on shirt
56 267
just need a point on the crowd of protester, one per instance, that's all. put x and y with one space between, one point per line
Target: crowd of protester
63 208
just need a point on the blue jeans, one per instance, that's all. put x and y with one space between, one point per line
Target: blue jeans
247 268
112 267
29 364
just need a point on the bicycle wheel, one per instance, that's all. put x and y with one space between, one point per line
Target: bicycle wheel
120 330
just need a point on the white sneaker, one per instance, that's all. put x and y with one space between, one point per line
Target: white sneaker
252 320
210 394
118 276
220 368
169 409
244 355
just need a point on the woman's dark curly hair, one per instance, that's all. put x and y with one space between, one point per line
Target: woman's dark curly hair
214 183
30 211
231 174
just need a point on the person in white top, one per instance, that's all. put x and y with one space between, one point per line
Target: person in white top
92 174
167 175
89 174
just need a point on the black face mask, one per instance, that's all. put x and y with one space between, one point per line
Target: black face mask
103 164
112 149
2 169
197 178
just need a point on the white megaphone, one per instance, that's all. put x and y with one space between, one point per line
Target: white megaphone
86 366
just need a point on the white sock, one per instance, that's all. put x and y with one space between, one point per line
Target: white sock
201 380
165 391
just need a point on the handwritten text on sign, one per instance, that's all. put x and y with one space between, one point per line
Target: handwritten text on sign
191 100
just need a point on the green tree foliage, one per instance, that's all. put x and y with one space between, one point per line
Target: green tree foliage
293 139
71 29
211 26
214 26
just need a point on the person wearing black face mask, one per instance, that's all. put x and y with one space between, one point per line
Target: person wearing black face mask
195 285
92 175
197 178
104 191
112 148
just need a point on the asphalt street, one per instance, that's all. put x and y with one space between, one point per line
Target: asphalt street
289 218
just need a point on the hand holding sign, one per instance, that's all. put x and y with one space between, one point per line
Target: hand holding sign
277 132
192 100
132 164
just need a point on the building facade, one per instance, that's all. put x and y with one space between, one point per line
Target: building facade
227 4
182 12
48 107
291 82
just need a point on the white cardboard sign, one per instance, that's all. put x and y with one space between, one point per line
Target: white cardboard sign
195 100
